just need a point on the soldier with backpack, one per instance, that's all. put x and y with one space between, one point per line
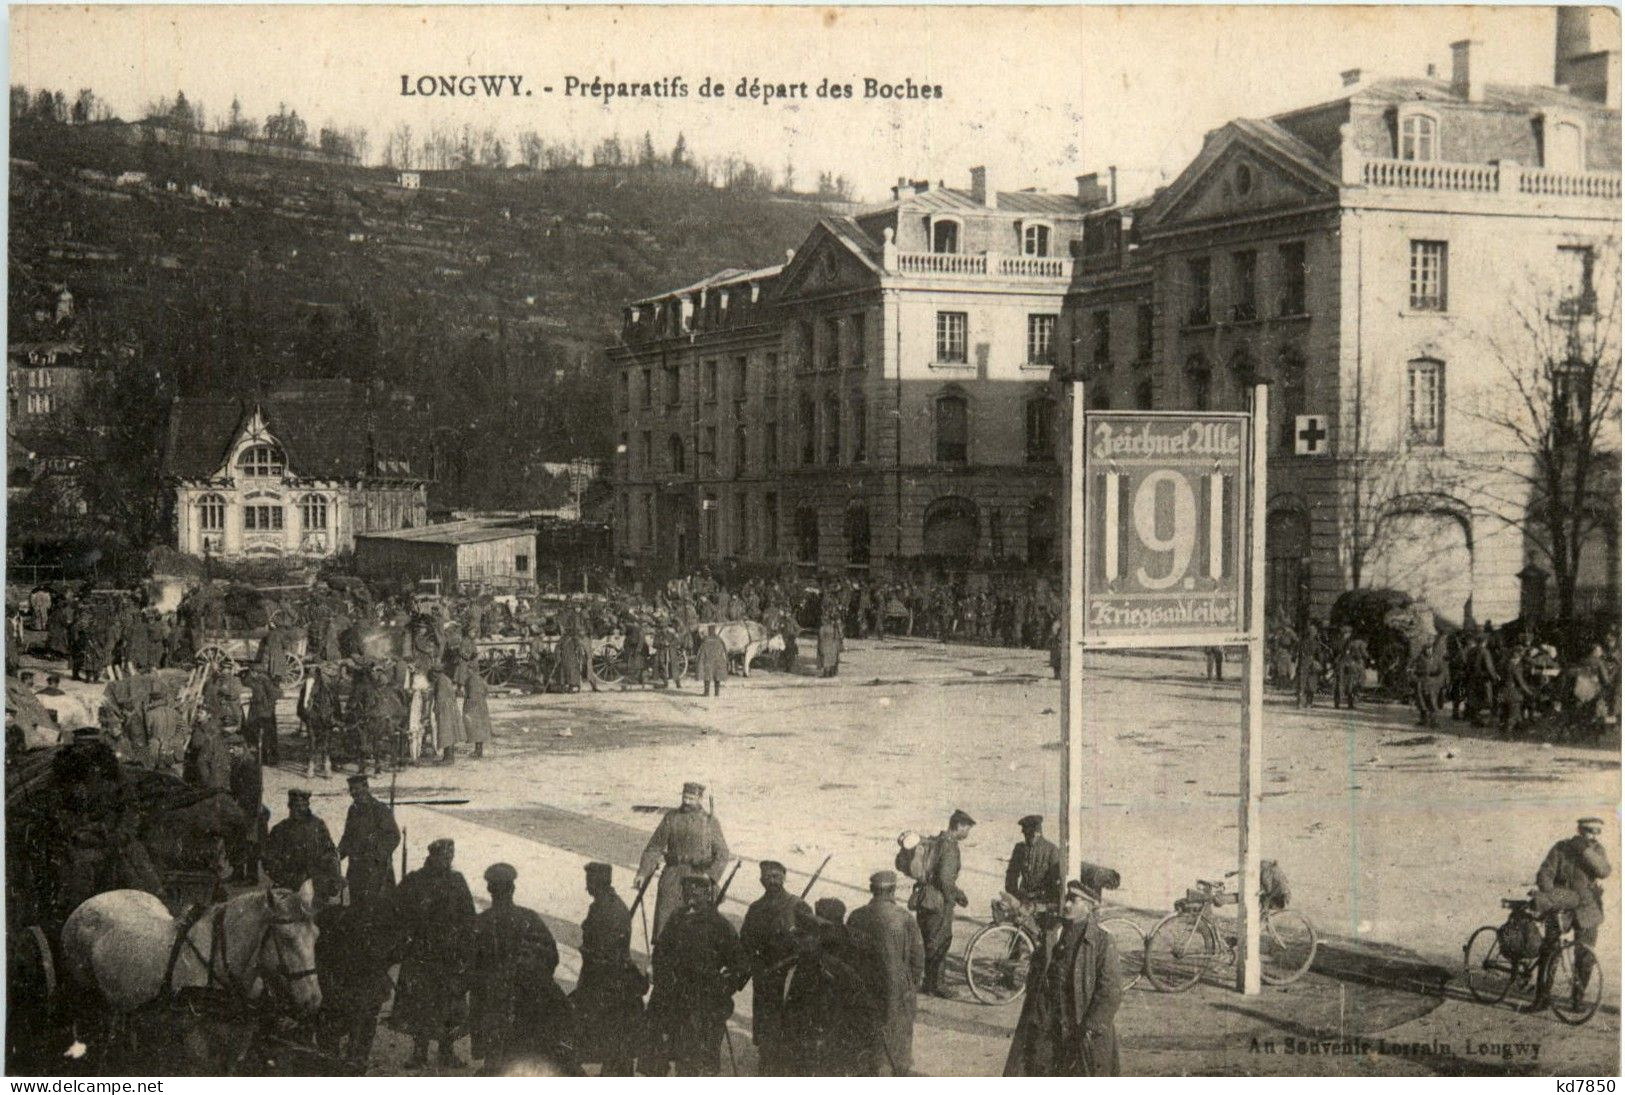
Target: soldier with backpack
934 865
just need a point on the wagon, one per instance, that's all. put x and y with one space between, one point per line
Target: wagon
503 658
226 651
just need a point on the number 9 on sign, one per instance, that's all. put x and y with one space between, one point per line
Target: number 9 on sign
1168 524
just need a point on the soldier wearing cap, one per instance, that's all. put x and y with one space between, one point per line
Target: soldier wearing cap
689 842
894 945
436 912
1074 986
608 997
768 936
1034 873
369 842
515 1010
697 963
1569 890
938 896
831 1007
300 847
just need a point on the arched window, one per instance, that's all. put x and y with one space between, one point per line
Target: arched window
261 461
832 429
860 428
1286 565
211 513
1040 429
952 428
857 534
1041 530
1035 240
945 237
1418 138
313 512
674 454
950 528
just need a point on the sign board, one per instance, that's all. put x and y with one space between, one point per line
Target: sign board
1309 435
1164 521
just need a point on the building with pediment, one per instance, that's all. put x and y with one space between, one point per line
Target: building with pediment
297 471
883 395
1377 258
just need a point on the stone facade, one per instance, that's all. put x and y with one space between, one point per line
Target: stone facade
1376 259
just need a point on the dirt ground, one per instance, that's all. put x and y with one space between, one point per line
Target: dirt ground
1398 842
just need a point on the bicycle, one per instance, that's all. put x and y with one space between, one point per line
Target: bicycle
1000 954
1184 943
1497 959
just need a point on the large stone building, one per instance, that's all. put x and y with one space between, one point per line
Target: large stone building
881 396
1388 260
297 471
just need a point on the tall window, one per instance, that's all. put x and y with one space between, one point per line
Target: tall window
1565 149
649 520
832 429
710 382
1244 276
953 329
1040 432
262 518
770 524
772 384
770 444
708 455
1430 260
261 462
804 343
211 513
945 238
953 429
710 507
626 391
1143 327
1200 379
1571 399
41 402
1144 396
1418 138
741 450
313 512
741 377
1035 240
1199 272
830 353
809 430
1294 280
1425 388
741 524
674 385
648 399
856 343
857 535
860 428
1101 343
1291 382
807 534
646 447
1575 267
674 454
1040 340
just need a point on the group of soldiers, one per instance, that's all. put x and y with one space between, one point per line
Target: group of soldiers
833 992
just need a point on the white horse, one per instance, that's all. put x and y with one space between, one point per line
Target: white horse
118 947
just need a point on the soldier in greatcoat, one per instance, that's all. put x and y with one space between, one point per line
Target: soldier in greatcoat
511 984
713 659
247 786
829 647
207 763
697 964
259 728
831 1008
448 715
369 842
300 847
891 939
608 997
1350 678
689 843
1074 986
436 912
476 708
355 946
768 936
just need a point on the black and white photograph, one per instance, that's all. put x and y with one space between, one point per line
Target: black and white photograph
851 541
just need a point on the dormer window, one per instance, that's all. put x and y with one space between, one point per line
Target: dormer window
1418 138
261 462
945 237
1035 240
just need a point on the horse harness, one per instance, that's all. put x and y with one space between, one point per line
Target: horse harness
218 950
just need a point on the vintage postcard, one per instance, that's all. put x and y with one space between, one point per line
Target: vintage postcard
813 541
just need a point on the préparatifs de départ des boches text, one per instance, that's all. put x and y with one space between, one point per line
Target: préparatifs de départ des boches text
750 88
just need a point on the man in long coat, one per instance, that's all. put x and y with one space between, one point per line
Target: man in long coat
829 647
369 841
608 997
570 651
514 959
697 964
436 912
259 728
713 659
939 896
355 946
831 1008
1074 986
300 847
689 842
890 936
768 935
476 708
448 715
247 786
1568 884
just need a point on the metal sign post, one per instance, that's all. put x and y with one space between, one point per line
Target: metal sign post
1248 834
1072 643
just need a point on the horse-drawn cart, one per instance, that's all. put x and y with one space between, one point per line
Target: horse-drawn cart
226 651
535 658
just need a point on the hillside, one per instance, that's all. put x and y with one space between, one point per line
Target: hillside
490 293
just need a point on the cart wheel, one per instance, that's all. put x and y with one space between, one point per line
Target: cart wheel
214 658
682 663
496 669
607 664
293 668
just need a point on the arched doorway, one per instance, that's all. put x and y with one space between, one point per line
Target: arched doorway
1286 565
950 528
1428 554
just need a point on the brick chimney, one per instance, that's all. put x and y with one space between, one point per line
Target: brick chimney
1585 63
1095 194
1467 78
983 190
1351 77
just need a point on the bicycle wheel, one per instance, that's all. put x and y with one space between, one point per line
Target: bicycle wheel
996 963
1179 950
1130 940
1286 946
1576 984
1488 972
